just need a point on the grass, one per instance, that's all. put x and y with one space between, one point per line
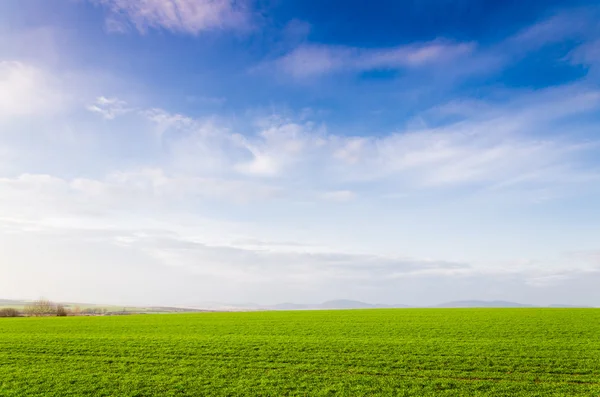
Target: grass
406 352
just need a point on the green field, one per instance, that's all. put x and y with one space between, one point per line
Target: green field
405 352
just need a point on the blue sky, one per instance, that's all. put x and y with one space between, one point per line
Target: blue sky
181 151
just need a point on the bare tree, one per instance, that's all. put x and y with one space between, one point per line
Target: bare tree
40 307
9 312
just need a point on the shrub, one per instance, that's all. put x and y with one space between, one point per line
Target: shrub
61 311
9 312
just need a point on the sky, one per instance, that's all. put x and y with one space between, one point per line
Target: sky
174 152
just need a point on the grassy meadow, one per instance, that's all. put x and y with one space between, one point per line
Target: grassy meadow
390 352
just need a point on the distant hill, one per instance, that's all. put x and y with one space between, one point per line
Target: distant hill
345 304
338 304
350 304
290 306
482 304
331 305
341 304
12 302
570 306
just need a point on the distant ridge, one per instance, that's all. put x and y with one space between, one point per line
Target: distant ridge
350 304
330 305
291 306
558 306
337 304
482 304
341 304
12 302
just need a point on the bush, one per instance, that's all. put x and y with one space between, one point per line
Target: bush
61 311
9 312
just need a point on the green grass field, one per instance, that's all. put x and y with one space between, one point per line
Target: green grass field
406 352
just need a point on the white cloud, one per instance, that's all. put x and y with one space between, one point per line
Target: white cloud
272 213
280 146
313 60
179 16
109 108
448 60
169 121
500 146
26 90
259 165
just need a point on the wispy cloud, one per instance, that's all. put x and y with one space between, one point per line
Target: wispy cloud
109 108
446 58
562 26
301 179
578 25
178 16
523 141
515 143
171 266
587 54
318 59
496 145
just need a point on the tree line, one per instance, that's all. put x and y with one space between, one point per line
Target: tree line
45 308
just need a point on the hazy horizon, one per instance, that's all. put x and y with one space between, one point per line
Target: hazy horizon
161 152
306 305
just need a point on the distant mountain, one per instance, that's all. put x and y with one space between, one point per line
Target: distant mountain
345 304
337 304
223 307
12 302
482 304
331 305
350 304
570 306
290 306
328 305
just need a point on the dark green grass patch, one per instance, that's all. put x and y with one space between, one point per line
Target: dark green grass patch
405 352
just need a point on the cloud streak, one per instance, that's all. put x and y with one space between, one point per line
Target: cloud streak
143 264
447 60
499 147
309 60
178 16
